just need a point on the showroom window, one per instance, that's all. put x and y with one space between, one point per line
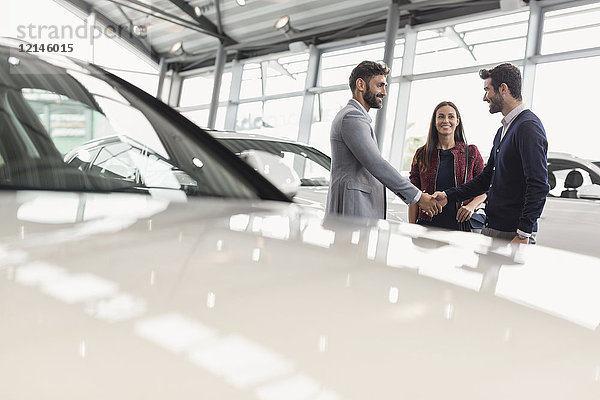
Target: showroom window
491 40
284 78
197 90
251 81
571 29
563 99
200 117
337 65
327 107
286 74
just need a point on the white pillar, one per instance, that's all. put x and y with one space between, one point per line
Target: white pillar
237 70
391 30
162 72
175 90
214 103
535 30
308 102
401 119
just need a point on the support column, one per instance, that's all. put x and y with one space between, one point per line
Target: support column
237 70
391 31
175 90
401 119
214 103
162 72
535 29
308 103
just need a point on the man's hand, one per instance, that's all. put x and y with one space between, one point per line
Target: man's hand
429 204
441 198
516 240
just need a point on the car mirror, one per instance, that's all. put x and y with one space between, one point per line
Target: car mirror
590 192
274 169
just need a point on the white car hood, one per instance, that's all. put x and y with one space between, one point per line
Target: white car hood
126 297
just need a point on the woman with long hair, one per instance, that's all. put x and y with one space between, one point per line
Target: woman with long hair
441 163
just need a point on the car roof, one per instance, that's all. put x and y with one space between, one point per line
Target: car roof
569 157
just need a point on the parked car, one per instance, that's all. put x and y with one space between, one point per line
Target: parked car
565 224
124 159
311 165
188 280
571 216
573 177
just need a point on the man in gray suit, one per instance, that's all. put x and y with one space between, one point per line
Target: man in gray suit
359 175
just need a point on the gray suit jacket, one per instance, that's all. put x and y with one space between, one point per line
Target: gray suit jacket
359 174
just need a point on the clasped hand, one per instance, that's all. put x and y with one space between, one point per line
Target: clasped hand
432 204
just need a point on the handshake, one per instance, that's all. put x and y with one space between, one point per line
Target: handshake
432 204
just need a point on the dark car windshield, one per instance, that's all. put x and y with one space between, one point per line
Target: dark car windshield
74 128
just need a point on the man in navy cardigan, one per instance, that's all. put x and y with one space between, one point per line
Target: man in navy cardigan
516 174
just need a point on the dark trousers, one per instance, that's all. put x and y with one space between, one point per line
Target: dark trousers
494 233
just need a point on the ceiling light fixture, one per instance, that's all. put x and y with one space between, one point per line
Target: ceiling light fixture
140 30
177 49
241 2
283 24
202 9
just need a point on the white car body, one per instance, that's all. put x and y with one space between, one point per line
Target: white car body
164 267
141 298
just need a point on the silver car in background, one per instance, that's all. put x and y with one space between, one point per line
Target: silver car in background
571 216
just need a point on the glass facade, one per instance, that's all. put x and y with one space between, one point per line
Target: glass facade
446 61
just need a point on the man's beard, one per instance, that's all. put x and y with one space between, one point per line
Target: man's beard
496 103
371 99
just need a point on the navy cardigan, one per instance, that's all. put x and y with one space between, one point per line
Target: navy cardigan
515 177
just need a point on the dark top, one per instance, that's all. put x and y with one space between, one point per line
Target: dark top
516 175
445 180
426 180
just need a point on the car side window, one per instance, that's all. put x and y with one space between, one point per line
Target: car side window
565 178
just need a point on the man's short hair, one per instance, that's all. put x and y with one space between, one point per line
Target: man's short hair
504 73
367 70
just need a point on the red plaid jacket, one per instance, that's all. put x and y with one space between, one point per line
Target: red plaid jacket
426 180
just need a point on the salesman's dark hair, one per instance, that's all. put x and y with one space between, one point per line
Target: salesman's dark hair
504 73
367 70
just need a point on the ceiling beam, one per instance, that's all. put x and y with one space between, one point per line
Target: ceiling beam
203 22
152 10
123 32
